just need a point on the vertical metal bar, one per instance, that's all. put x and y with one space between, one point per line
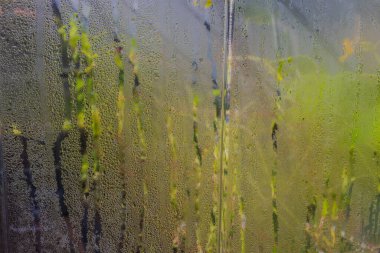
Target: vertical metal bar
228 26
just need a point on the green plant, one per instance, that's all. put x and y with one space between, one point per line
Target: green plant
89 59
84 92
83 59
80 97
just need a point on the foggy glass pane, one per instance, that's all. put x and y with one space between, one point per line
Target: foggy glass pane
189 126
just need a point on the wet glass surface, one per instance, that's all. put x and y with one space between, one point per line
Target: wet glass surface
189 126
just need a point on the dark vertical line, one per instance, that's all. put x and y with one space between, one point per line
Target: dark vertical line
274 189
3 201
84 222
97 225
58 173
64 60
198 171
275 129
97 217
57 147
32 192
60 187
139 248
